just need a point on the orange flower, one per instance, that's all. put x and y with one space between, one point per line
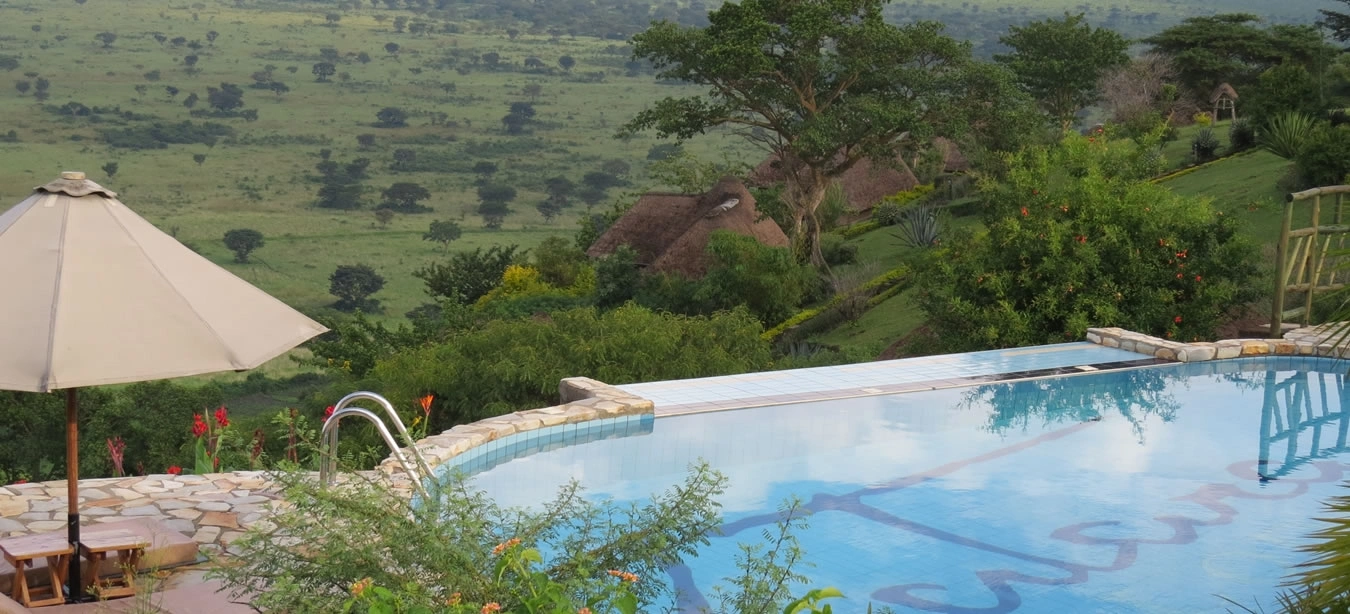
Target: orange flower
454 599
361 586
1024 211
624 575
506 545
489 608
425 402
584 611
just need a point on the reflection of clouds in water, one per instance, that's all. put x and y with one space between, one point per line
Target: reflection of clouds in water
852 442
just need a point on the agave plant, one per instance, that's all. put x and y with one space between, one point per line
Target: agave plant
1204 145
1285 134
919 226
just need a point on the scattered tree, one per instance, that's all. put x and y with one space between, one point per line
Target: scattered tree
353 284
567 62
242 241
332 19
365 141
443 232
391 48
106 38
211 37
467 276
532 90
22 86
404 197
190 61
391 117
403 158
191 100
199 158
363 57
1060 61
384 216
324 70
226 98
110 169
494 204
485 170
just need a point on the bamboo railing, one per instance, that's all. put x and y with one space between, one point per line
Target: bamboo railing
1301 256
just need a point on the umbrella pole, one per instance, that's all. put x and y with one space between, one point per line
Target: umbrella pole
76 594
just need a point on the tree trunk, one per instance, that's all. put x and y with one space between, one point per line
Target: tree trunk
809 192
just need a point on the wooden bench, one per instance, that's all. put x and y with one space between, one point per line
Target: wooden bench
129 547
22 551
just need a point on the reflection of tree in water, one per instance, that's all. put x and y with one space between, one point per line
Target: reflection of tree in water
1135 394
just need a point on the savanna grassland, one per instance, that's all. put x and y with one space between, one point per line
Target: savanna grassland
260 175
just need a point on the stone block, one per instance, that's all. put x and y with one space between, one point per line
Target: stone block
1224 352
1284 348
1110 342
1165 354
1255 348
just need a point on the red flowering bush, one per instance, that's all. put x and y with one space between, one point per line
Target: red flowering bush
1078 237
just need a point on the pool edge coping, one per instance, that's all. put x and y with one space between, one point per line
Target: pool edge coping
584 399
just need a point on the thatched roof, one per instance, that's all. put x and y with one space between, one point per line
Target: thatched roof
670 232
864 185
953 161
1223 91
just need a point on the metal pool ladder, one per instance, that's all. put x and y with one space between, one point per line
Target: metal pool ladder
329 438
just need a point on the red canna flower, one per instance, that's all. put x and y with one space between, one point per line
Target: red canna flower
198 426
425 402
1197 278
1024 211
328 413
174 470
20 481
222 417
1177 319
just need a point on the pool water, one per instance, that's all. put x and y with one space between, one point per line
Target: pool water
1144 490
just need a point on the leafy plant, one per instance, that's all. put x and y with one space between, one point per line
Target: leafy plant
919 226
1286 134
1204 144
1324 158
1078 236
1241 135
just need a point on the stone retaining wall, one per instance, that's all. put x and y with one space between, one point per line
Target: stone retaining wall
216 508
1322 340
583 399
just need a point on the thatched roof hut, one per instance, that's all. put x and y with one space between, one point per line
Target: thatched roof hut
953 161
864 185
670 231
1224 98
1224 90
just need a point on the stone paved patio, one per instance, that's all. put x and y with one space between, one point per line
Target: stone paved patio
217 508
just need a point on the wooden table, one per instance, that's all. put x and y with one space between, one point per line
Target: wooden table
95 546
22 551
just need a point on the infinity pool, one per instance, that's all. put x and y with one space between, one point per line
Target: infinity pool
1141 490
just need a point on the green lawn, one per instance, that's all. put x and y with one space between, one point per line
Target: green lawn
1245 187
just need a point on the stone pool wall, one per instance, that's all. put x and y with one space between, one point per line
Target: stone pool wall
1322 340
216 508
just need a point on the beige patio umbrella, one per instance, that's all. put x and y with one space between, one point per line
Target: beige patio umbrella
93 294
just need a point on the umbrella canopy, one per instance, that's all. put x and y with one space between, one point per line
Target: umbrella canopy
94 294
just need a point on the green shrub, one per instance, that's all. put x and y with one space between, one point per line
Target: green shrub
859 229
1324 158
1204 144
1241 135
467 276
506 365
767 280
1078 237
837 251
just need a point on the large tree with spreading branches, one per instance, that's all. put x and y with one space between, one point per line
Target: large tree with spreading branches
822 84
